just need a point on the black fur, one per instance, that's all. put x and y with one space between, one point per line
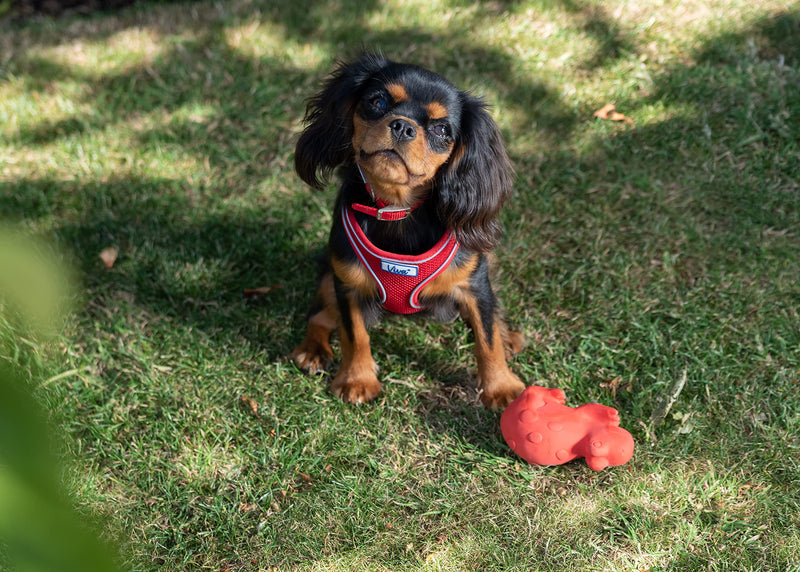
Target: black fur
477 180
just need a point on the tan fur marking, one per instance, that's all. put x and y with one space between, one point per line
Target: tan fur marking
454 276
435 160
436 110
360 127
354 276
398 92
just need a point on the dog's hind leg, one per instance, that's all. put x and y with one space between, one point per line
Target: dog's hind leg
314 354
513 342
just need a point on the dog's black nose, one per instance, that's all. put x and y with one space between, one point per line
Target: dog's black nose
402 130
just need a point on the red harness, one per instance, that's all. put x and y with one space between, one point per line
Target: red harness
400 277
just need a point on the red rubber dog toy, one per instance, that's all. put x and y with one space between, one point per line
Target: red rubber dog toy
542 430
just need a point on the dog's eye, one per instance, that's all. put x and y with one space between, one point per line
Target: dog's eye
441 130
379 104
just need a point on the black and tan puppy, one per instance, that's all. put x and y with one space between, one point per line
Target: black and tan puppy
424 174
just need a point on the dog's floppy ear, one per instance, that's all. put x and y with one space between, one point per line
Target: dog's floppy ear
473 184
326 141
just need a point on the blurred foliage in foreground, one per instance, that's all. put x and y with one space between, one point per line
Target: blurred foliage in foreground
39 530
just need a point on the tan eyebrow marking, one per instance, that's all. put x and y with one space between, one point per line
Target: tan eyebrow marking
436 110
398 92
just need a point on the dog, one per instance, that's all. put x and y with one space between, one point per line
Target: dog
423 176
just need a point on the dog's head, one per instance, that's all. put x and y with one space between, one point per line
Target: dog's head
412 134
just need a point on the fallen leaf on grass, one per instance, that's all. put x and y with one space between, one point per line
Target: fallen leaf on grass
251 292
612 386
250 405
608 111
109 256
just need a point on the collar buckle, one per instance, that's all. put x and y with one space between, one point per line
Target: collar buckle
392 213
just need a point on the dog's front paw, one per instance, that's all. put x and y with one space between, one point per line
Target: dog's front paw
500 390
356 386
312 357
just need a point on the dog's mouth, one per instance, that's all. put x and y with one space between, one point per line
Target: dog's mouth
382 158
388 154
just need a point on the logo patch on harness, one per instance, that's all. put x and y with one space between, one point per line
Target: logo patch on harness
399 269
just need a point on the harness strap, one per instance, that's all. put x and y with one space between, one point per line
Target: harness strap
400 278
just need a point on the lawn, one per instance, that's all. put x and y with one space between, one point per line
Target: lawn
635 253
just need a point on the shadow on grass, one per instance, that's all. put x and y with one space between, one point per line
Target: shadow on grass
231 111
175 265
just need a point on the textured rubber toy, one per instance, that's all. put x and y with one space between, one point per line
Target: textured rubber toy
542 430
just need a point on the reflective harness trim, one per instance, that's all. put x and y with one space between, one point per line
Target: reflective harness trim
400 278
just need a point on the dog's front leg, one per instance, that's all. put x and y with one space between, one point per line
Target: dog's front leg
478 306
357 380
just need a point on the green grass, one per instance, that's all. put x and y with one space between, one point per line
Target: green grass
631 253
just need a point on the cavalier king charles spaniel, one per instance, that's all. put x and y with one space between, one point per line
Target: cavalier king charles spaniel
423 175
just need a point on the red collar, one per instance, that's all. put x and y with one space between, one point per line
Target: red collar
383 211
